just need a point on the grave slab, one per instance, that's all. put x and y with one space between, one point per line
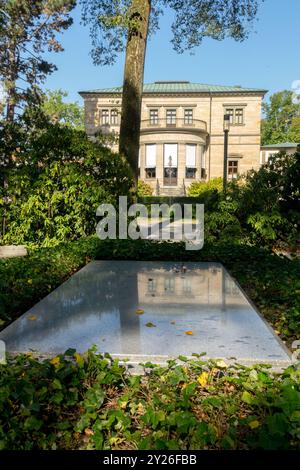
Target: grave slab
149 311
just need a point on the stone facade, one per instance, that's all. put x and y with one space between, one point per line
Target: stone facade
182 138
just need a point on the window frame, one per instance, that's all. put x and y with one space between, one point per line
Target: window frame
150 173
107 117
171 114
234 174
236 119
114 117
153 120
188 116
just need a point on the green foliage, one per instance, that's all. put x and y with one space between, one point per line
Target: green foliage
27 29
204 188
269 201
281 123
56 185
144 189
87 401
61 112
110 21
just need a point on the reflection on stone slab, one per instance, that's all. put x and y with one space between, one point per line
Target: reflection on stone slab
97 306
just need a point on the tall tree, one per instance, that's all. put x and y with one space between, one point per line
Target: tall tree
282 119
62 112
116 25
27 29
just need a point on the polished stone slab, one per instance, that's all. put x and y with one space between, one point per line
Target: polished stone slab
143 310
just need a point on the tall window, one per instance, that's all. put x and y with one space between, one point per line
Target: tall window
104 116
171 117
239 116
188 116
114 117
230 112
190 160
233 169
150 161
154 117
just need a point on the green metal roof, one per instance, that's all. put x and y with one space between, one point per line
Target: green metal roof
182 87
281 146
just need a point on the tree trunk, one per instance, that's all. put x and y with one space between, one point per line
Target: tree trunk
133 83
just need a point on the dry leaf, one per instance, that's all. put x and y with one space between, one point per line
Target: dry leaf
150 325
189 333
139 311
88 432
32 318
221 364
173 322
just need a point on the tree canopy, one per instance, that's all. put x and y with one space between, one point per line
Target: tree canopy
62 112
282 119
27 30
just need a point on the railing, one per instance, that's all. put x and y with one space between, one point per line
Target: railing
172 123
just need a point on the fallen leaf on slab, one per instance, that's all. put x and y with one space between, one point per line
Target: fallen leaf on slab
32 318
173 322
150 325
139 311
189 333
221 364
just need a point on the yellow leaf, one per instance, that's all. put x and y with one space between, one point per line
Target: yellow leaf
32 318
189 333
254 424
139 311
29 281
79 359
55 361
203 379
140 409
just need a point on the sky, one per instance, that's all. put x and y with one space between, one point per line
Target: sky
268 59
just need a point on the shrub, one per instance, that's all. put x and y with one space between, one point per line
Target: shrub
56 187
269 201
144 189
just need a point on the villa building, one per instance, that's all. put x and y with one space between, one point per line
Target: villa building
182 138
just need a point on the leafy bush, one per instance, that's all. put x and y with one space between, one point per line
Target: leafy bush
208 192
144 189
201 188
269 201
86 401
56 187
